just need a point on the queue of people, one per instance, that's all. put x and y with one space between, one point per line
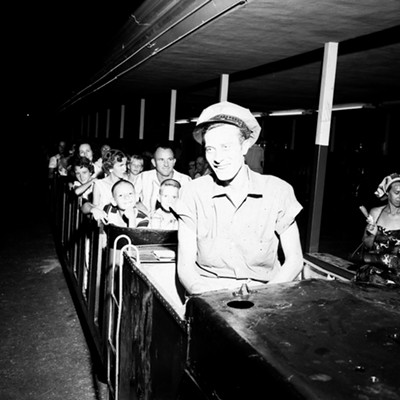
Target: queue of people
232 221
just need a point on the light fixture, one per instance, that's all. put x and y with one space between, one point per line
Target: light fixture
259 114
351 106
182 121
287 112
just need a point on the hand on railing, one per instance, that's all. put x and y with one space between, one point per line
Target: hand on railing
99 215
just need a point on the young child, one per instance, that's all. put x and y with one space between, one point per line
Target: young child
164 217
83 171
123 211
135 167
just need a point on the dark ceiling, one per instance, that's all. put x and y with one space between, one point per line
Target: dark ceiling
272 51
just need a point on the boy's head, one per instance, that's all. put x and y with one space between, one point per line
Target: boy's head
169 193
136 163
124 194
83 169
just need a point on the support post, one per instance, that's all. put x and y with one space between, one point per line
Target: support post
96 130
108 123
223 87
122 124
141 123
172 112
322 143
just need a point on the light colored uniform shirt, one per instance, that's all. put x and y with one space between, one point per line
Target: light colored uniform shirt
255 158
238 241
147 186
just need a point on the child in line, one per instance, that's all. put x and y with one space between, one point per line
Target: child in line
123 211
135 167
83 171
164 217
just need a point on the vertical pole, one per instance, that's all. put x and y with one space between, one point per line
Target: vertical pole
332 139
223 87
385 144
88 126
293 136
96 129
141 123
322 143
82 125
172 116
108 123
122 124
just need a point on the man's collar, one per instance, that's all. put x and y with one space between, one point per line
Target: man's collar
245 174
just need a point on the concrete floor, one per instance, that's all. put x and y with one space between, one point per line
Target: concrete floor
43 351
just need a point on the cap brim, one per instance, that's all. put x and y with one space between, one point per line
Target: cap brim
199 129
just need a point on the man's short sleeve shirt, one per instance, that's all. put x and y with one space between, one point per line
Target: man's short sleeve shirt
239 241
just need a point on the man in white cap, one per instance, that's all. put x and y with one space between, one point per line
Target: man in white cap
231 221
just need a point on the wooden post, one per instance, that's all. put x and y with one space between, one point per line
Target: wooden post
96 130
122 124
172 112
108 123
223 87
293 135
141 123
322 143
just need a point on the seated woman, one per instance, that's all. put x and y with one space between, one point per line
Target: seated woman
382 237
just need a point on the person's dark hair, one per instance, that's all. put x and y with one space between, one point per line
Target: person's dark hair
164 146
111 157
83 162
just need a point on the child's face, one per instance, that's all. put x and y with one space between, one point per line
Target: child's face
168 197
124 196
136 166
82 174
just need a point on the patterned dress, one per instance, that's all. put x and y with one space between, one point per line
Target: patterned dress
383 260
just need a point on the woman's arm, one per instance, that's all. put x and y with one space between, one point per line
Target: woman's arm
291 246
79 190
371 229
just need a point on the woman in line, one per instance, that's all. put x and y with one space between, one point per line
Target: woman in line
115 167
382 237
